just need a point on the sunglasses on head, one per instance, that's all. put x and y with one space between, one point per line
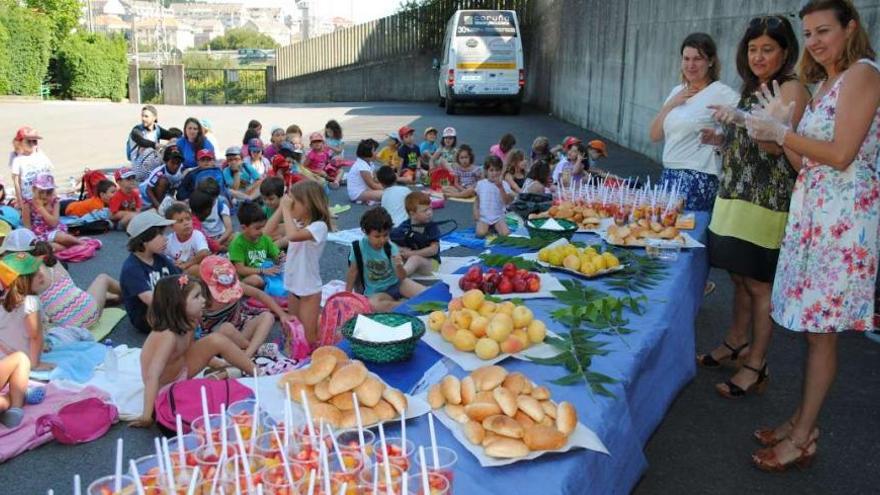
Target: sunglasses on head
771 21
32 141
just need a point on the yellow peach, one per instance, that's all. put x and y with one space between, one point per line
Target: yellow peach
473 299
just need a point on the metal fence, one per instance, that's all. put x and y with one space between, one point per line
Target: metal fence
419 29
225 86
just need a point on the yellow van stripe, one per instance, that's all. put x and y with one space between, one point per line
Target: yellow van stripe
486 65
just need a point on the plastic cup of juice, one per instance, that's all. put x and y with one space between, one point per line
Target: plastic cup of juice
437 485
397 455
105 485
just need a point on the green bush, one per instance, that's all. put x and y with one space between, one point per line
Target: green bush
24 50
92 66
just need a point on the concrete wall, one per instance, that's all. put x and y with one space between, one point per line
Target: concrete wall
406 78
608 66
173 85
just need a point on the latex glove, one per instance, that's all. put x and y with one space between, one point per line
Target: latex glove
726 114
771 104
763 127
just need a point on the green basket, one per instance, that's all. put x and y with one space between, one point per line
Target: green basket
384 352
536 232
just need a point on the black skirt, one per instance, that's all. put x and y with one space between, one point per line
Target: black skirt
742 257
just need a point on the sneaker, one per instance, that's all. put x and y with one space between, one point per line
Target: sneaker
35 395
337 209
12 417
875 336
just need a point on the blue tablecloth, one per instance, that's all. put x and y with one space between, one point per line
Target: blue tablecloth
652 365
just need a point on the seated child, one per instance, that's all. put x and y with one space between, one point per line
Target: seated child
333 140
376 267
561 154
418 237
240 179
445 155
466 175
394 196
65 304
293 135
540 150
45 214
427 148
251 247
172 351
126 203
163 181
515 170
217 223
275 139
144 266
360 182
255 159
186 246
224 313
505 144
21 328
575 168
493 196
388 155
596 150
409 172
539 180
15 370
206 169
105 189
319 161
271 191
286 168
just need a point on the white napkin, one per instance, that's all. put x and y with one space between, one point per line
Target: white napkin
552 224
368 329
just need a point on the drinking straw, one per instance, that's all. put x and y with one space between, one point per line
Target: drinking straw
385 457
336 448
311 482
169 468
311 426
357 416
221 462
343 488
50 492
288 418
207 416
376 479
137 477
254 424
77 488
324 462
237 484
244 460
117 483
426 487
192 482
433 441
284 462
180 453
159 462
224 441
260 489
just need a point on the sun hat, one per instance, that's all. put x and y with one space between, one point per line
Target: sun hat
145 220
289 149
172 153
316 136
27 132
5 228
405 131
14 265
233 150
124 173
18 240
569 142
254 144
449 132
395 136
219 275
430 130
44 182
205 154
599 146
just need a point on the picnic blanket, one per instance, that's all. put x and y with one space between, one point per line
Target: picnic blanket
124 387
75 361
110 317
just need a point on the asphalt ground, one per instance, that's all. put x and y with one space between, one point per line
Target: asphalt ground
702 446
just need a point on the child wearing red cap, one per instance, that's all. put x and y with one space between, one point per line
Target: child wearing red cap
126 202
409 155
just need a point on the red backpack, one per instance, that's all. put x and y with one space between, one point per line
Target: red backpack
89 183
441 177
338 309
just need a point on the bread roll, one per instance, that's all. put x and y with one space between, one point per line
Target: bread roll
566 418
488 377
549 408
474 432
330 350
348 377
523 419
291 377
485 396
547 421
328 412
506 400
456 412
370 391
384 410
348 419
396 399
503 425
530 406
541 393
515 382
507 448
322 390
544 438
319 369
468 390
369 416
436 399
296 392
478 411
343 402
489 437
451 387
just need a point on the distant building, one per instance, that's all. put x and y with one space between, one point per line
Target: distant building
276 30
111 24
206 30
178 35
230 14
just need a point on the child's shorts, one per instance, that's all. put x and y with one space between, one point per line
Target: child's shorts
394 292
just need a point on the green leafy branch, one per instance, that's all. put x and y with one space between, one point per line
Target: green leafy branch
641 273
520 242
502 259
576 355
428 307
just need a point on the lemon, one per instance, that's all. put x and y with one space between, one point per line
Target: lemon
610 260
600 263
587 268
590 250
544 255
555 259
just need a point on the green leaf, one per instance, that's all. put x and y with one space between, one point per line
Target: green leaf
501 260
520 242
571 379
428 307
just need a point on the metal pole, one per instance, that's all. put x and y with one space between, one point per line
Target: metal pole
137 68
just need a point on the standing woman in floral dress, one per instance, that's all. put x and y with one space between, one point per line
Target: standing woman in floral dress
828 263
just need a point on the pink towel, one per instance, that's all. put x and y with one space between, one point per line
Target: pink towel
14 441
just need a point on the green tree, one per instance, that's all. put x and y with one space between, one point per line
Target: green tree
63 15
24 51
93 66
236 38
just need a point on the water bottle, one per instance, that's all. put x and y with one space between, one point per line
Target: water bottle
111 366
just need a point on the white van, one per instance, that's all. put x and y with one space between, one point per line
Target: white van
482 59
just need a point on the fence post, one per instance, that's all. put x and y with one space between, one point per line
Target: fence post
174 84
134 86
270 84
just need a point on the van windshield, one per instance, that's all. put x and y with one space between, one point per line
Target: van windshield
486 23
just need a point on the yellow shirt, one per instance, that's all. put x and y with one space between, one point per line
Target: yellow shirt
388 156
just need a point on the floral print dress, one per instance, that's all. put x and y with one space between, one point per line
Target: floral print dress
828 265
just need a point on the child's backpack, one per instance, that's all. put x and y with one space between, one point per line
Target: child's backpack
359 262
79 422
440 177
185 398
404 235
89 184
293 342
80 252
338 309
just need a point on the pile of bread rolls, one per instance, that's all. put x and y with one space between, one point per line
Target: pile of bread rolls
584 216
505 413
637 234
328 383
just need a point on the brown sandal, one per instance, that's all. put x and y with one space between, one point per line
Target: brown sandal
766 460
736 355
767 436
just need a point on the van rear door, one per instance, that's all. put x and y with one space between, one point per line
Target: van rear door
488 53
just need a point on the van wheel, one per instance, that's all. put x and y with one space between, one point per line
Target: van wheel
450 106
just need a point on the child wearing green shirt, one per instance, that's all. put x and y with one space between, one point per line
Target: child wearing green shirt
251 247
